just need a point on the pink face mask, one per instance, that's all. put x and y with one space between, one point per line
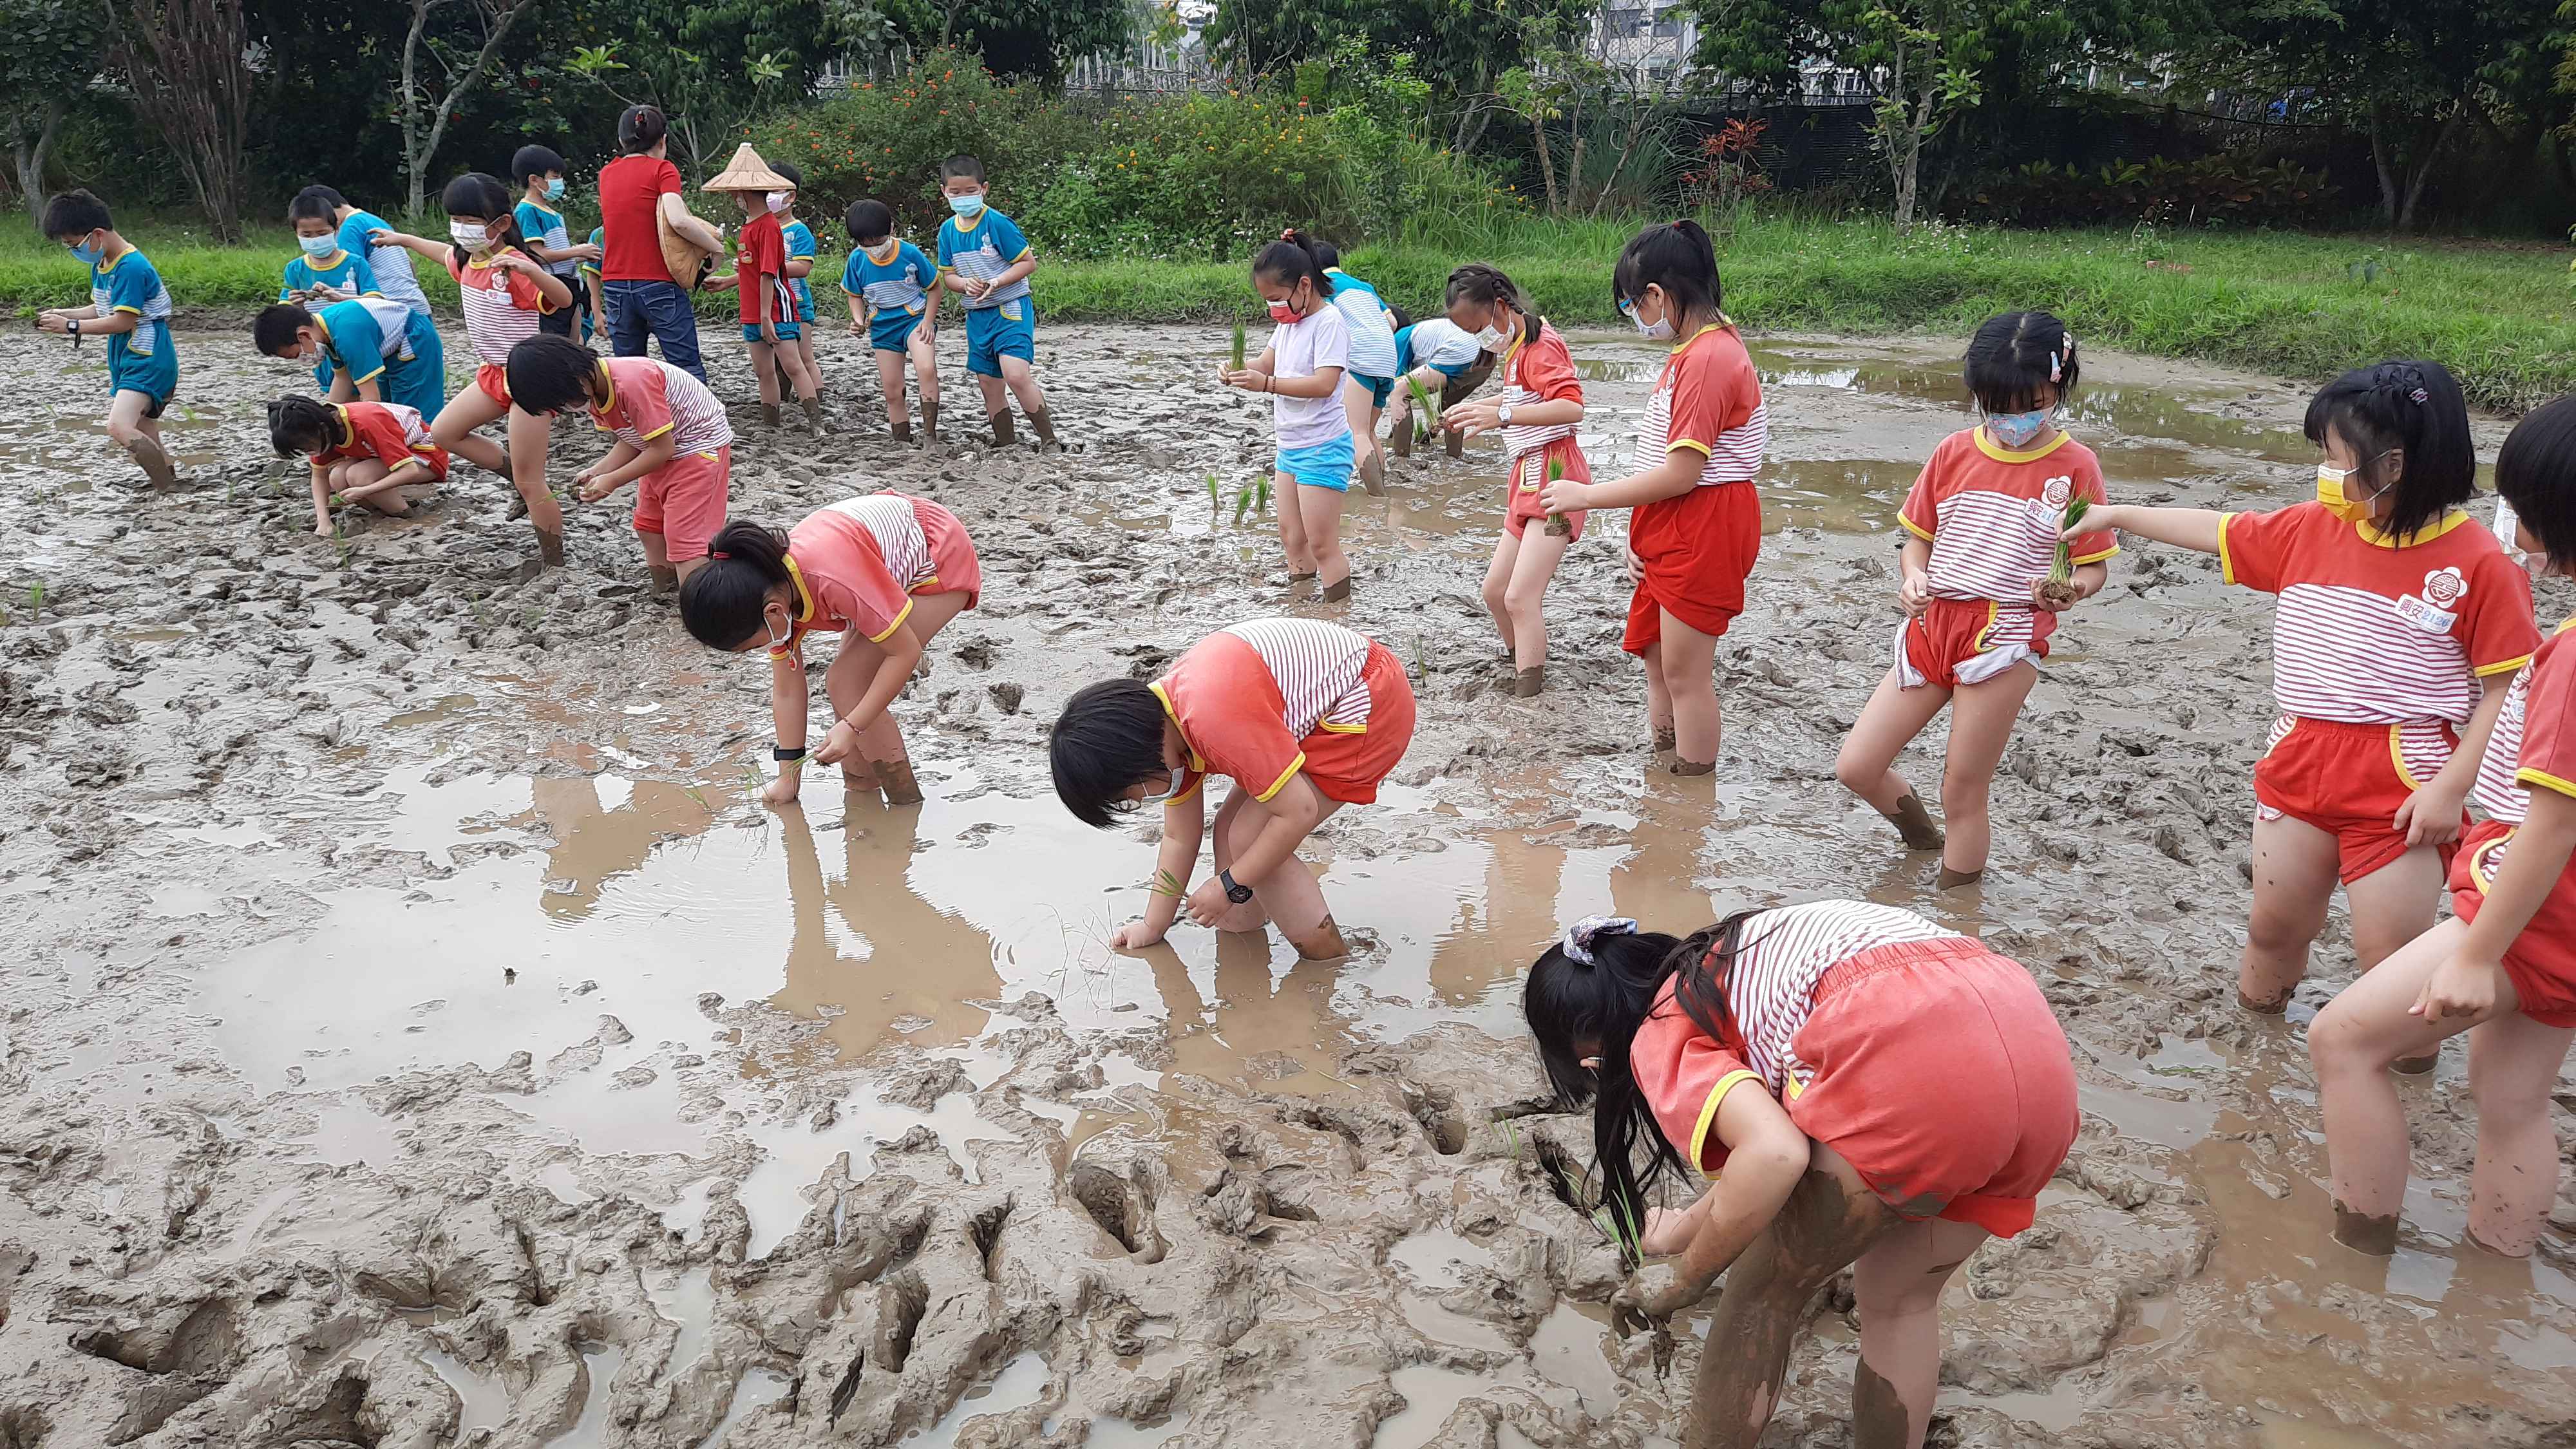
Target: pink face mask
1285 314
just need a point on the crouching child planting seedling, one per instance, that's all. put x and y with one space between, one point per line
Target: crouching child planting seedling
361 452
1302 716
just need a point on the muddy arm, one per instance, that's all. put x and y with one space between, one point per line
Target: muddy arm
1184 826
902 655
1766 1156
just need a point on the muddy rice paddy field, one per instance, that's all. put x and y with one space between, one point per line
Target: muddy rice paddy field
414 1034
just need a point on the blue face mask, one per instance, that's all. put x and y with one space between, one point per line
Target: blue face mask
89 255
318 247
554 188
2015 430
966 206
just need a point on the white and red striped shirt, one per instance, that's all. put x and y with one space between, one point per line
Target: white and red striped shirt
1535 372
1709 398
889 518
1781 954
1991 515
648 397
2498 789
2372 632
501 307
1246 697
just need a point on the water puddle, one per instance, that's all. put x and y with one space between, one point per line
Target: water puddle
689 1301
1018 1385
1431 1395
758 1390
485 1404
600 1362
1572 1347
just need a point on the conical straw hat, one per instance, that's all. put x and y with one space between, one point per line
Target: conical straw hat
747 172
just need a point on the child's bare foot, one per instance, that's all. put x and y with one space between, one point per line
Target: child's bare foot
1666 738
1338 590
550 548
155 463
1953 879
1296 577
902 430
896 776
769 414
1527 683
1914 823
814 415
2363 1233
665 580
930 422
2260 1006
1693 767
325 531
1004 435
1044 427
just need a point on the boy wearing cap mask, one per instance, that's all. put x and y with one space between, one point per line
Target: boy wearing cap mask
760 278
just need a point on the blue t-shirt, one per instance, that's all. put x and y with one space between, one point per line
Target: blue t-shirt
599 239
1372 331
545 226
897 292
982 252
391 264
363 337
348 273
143 358
801 243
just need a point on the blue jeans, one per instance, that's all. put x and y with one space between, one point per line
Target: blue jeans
661 308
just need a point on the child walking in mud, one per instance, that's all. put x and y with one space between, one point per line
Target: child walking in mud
1696 523
2502 968
887 573
130 309
985 260
1301 371
1977 579
2399 629
1302 716
768 305
673 443
888 282
507 294
361 452
1371 380
1782 1046
1540 403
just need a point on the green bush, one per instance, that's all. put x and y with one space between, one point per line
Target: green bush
2222 188
885 139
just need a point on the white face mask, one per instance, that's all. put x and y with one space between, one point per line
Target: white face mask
2508 531
471 235
778 200
1172 788
1491 338
1660 331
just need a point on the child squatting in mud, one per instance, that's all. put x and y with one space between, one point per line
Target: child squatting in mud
1791 1048
1302 716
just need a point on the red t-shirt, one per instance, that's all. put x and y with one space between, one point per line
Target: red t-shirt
390 433
2547 757
631 189
1992 513
762 248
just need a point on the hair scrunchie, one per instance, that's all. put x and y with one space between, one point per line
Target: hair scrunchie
716 553
2057 360
1579 937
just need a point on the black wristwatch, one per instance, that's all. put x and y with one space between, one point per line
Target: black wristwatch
1233 892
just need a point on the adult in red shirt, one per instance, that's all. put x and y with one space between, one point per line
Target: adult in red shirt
634 280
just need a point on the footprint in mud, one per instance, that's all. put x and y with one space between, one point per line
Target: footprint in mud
1121 1206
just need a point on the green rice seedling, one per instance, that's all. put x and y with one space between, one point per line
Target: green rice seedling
1238 347
1166 884
2060 585
1558 525
1429 405
1216 492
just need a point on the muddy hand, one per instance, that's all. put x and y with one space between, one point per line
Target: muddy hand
837 746
781 791
1134 936
590 489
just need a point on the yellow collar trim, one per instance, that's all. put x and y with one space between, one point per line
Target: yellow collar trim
348 429
2372 533
1197 765
2565 624
331 265
1718 326
607 380
2002 454
804 596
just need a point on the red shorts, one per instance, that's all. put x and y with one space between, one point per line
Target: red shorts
1696 551
436 457
1526 475
1939 1074
685 502
952 554
494 381
1349 764
2348 780
2542 960
1965 641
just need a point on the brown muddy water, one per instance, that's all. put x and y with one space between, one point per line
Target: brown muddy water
415 1037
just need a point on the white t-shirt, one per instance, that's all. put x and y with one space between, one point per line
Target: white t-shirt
1302 349
1437 341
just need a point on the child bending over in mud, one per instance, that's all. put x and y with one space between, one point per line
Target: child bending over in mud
887 573
2504 967
2399 628
1441 358
1301 372
1302 716
673 443
1791 1048
1541 401
361 452
1696 523
1978 587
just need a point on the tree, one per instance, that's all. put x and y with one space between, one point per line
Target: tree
1463 47
187 64
487 23
1017 38
43 69
1927 61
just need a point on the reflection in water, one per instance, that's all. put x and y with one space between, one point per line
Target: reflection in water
598 840
921 964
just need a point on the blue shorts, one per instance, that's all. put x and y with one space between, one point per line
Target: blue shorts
1379 388
893 334
1325 465
420 384
788 330
804 304
992 334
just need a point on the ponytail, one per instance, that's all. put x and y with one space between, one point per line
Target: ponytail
301 424
1485 284
1292 259
723 603
1678 257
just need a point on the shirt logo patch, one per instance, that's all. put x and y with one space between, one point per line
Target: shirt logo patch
2424 616
2445 587
2057 491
